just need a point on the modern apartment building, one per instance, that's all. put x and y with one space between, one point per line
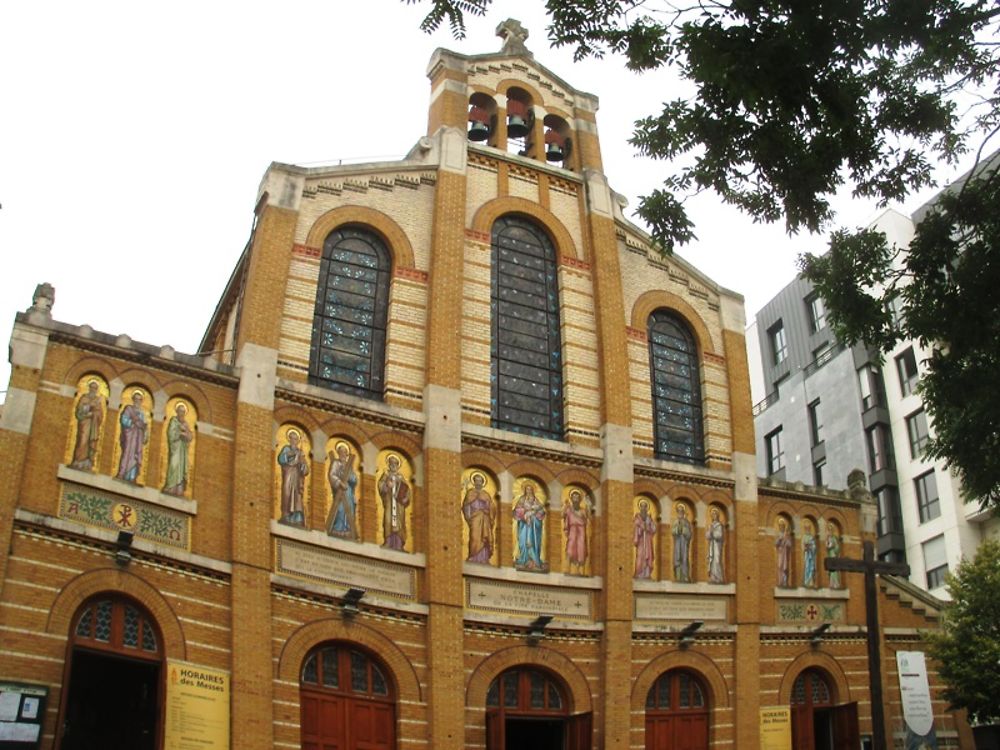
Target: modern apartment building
825 408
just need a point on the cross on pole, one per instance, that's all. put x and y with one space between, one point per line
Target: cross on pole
871 567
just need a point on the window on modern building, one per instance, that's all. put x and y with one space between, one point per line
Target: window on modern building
818 468
916 426
775 453
779 343
526 364
817 312
935 561
895 309
928 503
890 518
879 448
349 319
676 381
906 366
872 390
815 423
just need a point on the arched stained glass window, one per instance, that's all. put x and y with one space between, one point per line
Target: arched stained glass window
526 363
349 322
676 381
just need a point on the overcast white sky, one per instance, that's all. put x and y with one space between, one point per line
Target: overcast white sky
133 137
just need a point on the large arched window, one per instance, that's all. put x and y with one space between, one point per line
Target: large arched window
676 381
347 700
526 364
349 321
113 677
677 712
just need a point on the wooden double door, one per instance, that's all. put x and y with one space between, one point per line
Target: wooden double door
825 727
334 722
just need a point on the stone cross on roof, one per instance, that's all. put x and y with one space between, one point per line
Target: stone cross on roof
513 35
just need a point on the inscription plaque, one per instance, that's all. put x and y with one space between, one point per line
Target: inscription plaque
330 566
672 607
522 599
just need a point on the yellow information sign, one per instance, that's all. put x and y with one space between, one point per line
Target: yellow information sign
197 710
776 728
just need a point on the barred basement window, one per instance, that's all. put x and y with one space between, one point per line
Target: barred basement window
349 321
526 362
676 380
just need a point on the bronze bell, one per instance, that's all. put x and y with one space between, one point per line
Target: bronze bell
554 142
479 129
516 126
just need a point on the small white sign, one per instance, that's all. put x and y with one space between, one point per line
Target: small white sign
916 692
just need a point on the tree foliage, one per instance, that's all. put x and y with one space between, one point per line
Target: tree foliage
793 100
967 648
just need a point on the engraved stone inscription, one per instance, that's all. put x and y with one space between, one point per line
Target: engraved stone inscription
330 566
671 607
500 596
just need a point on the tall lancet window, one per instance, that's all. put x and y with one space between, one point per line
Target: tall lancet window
673 363
349 323
526 363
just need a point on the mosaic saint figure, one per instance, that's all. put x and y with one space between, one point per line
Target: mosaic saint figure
89 418
682 531
342 520
529 514
783 544
294 469
716 536
575 520
179 437
480 514
808 556
134 435
643 531
395 494
833 550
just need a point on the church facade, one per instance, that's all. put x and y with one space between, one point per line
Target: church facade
464 463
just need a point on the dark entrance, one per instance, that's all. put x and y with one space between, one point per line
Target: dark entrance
347 701
677 713
113 695
527 709
818 724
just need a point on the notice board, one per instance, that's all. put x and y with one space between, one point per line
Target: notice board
197 710
22 713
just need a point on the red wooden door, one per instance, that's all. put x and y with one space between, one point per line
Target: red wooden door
494 730
370 725
844 718
802 727
676 713
579 730
323 722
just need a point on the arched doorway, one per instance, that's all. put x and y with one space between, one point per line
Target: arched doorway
677 712
113 693
348 700
818 724
528 709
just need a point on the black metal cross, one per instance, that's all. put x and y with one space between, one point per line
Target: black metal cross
871 567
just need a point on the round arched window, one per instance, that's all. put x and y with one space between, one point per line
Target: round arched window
811 689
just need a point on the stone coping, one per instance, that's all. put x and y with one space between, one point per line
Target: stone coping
320 539
804 593
110 536
127 489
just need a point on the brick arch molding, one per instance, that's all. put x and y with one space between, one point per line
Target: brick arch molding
489 212
531 656
693 661
825 663
656 299
335 629
117 581
395 238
